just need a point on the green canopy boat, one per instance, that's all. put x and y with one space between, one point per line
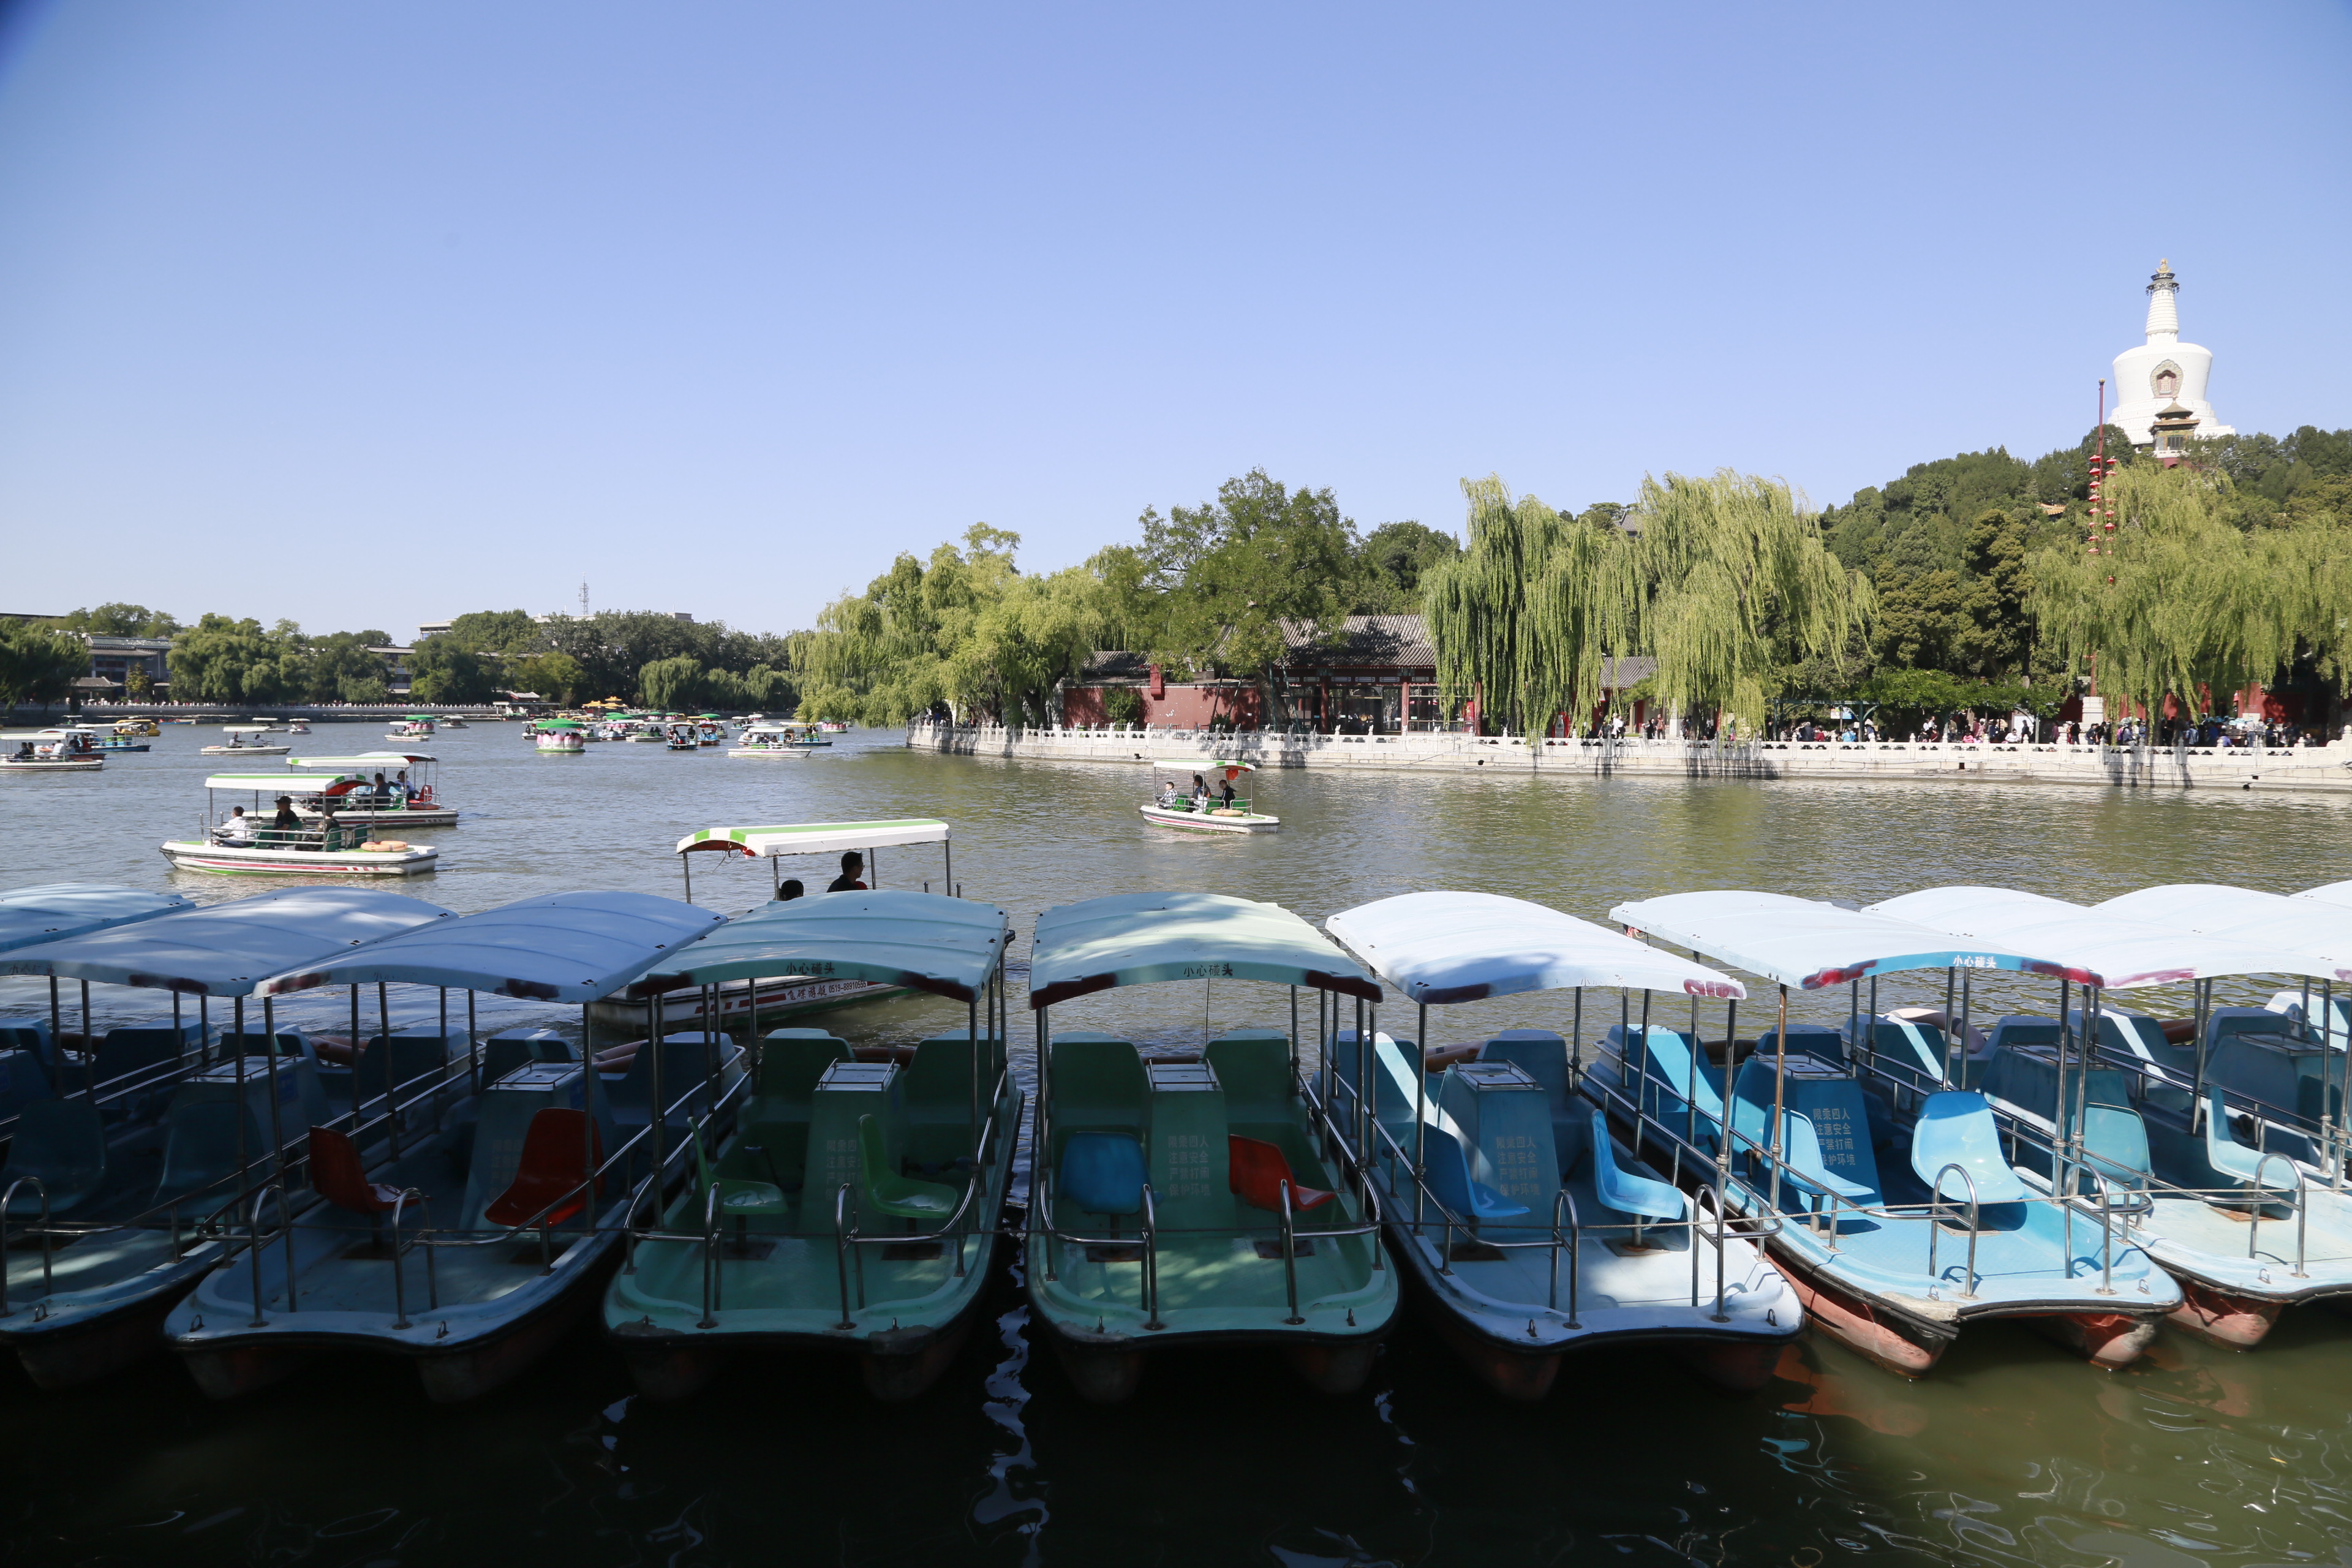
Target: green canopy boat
852 1206
1194 1202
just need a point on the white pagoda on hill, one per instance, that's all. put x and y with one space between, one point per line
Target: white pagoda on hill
2161 385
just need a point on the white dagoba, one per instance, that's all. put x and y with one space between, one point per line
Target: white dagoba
2164 375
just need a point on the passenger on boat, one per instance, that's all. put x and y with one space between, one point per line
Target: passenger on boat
238 830
1168 795
330 832
1199 792
853 866
1226 794
791 889
382 791
285 821
402 789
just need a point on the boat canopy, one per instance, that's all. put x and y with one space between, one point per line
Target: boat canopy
1807 944
927 941
228 949
817 837
29 915
2332 894
558 947
1234 763
1133 939
2101 949
2305 926
1458 947
366 762
280 784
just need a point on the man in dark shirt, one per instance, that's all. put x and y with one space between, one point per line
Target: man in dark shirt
853 866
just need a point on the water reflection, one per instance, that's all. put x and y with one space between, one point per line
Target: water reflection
2013 1452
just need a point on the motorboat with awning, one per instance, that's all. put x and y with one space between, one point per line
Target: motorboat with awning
1197 1204
49 752
245 740
560 737
1202 809
251 844
374 790
141 1163
2225 1155
780 740
1895 1207
415 727
778 996
856 1206
1532 1232
469 1206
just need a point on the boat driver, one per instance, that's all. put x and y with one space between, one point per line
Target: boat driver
853 868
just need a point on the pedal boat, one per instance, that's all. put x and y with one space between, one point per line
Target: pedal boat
1529 1231
58 751
136 1169
349 788
239 746
826 838
2223 1155
1208 815
779 741
1900 1220
854 1207
470 1205
1199 1203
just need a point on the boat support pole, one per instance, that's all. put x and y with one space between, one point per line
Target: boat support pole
89 1046
1955 1046
1294 1036
661 1109
391 1089
971 1038
204 1026
685 865
1964 978
474 1046
2197 1101
57 1041
1780 1088
245 1156
1041 1174
277 1141
1419 1120
356 1080
1576 1040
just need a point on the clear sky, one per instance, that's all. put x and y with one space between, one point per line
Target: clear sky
364 315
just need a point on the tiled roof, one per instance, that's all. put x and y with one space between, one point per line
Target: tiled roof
1381 640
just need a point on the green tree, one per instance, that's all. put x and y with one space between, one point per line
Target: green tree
40 662
510 634
671 685
442 671
1997 641
120 620
223 659
1391 565
1235 574
557 677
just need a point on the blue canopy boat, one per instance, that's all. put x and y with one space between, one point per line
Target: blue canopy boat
137 1166
1897 1213
470 1200
856 1207
2226 1152
1529 1229
1194 1201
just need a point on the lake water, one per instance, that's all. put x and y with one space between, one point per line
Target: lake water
2012 1452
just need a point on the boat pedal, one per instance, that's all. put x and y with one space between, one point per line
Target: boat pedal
1123 1252
1272 1250
1636 1249
913 1251
1472 1252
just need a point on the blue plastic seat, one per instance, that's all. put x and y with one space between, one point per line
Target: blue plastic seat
1956 1128
1625 1191
1674 1068
2115 1144
22 1079
1102 1172
1807 1168
504 1051
200 1153
1451 1181
2222 1149
62 1142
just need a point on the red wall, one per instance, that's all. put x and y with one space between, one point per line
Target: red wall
1183 708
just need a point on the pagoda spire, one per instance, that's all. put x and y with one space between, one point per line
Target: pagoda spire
2163 305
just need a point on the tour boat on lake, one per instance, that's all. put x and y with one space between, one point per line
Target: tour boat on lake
779 739
323 846
562 736
245 740
415 727
50 752
1208 812
410 799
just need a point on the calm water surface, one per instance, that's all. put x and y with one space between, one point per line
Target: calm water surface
2013 1452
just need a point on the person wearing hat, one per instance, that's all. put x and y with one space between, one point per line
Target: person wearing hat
285 822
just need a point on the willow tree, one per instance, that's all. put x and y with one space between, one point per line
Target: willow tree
2178 600
1720 579
1728 581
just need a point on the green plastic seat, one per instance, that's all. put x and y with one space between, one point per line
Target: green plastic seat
791 1060
737 1199
893 1194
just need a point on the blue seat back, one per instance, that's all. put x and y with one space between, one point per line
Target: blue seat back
1625 1191
28 1035
791 1060
1451 1184
398 1062
62 1142
1253 1070
1102 1172
1820 1041
200 1152
2228 1157
1956 1128
22 1079
1806 1165
2114 1142
688 1061
1838 1118
1538 1053
140 1050
511 1048
1918 1047
1677 1076
1752 1105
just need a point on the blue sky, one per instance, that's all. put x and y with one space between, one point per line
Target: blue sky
365 315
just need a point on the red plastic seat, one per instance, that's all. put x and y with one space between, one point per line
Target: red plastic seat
338 1176
556 1161
1257 1173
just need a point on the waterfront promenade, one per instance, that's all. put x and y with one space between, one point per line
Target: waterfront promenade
2256 768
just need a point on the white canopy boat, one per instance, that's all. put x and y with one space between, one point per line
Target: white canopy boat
58 751
1534 1232
779 739
133 1173
410 799
1211 813
244 740
324 847
785 995
468 1245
